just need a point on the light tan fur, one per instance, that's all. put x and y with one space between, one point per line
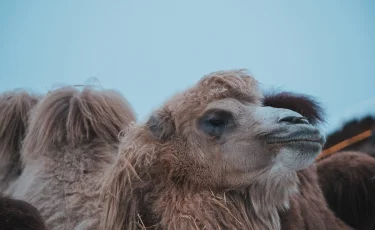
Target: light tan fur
170 175
15 107
72 139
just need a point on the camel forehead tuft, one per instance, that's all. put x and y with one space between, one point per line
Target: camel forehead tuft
236 84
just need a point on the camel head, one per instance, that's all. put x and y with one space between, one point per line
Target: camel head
223 132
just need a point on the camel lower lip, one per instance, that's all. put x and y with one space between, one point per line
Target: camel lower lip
301 141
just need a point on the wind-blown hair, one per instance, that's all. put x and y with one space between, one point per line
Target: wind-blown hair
72 139
15 107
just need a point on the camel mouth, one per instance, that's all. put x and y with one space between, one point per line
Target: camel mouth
305 137
296 141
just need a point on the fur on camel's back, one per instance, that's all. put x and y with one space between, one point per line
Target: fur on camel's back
72 139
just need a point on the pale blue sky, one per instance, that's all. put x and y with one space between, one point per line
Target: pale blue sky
149 50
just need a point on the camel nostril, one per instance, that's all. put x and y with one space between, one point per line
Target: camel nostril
294 120
300 120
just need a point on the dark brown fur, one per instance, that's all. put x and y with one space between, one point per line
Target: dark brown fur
347 178
348 183
308 209
15 107
19 215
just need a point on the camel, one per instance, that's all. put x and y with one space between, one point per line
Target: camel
71 140
346 172
19 215
15 107
220 156
347 179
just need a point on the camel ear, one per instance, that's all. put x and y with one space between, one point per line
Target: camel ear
161 125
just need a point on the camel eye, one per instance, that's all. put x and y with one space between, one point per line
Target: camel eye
215 122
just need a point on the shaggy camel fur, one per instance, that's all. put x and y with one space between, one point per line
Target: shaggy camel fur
213 157
19 215
15 107
347 177
72 139
308 209
348 183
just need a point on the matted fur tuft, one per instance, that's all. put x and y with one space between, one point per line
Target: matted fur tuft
303 104
69 118
127 179
15 107
19 215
